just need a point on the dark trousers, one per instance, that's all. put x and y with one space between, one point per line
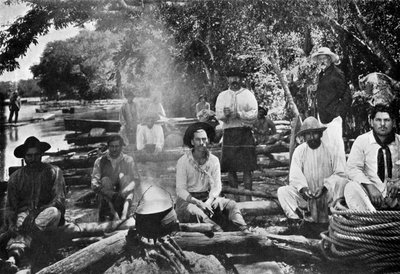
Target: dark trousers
13 112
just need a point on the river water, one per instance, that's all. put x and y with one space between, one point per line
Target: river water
51 131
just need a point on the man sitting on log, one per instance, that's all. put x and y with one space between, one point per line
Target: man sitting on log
373 165
264 128
35 200
113 180
150 136
316 177
198 184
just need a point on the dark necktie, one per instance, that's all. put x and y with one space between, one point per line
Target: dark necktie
381 160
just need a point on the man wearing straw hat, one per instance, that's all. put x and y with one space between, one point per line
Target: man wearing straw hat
198 184
373 166
316 177
35 200
333 98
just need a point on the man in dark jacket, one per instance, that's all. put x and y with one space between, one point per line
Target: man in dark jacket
333 93
333 99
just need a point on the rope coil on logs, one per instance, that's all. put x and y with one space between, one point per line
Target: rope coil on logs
369 238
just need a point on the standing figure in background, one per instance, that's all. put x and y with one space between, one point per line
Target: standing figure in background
237 108
128 117
15 106
35 201
316 177
333 98
150 136
113 180
263 127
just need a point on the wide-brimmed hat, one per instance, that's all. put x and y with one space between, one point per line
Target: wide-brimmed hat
311 124
30 142
189 133
325 51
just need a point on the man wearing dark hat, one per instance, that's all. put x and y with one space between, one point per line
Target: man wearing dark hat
373 165
316 177
35 198
128 118
198 184
237 108
113 180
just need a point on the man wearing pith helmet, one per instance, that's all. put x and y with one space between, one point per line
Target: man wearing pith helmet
316 177
333 98
35 200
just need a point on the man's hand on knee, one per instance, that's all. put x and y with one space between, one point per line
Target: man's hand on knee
393 188
374 194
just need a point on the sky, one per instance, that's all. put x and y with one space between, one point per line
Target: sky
7 15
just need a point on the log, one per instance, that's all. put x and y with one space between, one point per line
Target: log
81 230
246 192
112 248
259 208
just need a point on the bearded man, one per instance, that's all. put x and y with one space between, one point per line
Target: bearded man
35 200
316 177
198 184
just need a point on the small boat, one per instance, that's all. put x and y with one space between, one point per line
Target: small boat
85 125
81 139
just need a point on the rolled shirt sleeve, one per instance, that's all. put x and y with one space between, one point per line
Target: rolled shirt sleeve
181 180
96 175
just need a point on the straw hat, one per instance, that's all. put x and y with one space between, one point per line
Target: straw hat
311 124
326 51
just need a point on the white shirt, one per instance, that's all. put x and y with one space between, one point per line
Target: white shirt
148 136
362 164
242 103
191 179
314 168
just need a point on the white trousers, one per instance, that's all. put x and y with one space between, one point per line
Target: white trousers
358 199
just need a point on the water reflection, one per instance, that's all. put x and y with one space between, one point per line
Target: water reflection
52 132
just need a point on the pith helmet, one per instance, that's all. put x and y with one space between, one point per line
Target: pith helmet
311 124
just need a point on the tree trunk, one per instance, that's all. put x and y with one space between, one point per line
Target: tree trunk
377 48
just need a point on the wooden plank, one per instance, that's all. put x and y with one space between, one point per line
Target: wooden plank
260 267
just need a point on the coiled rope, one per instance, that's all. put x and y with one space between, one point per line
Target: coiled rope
368 238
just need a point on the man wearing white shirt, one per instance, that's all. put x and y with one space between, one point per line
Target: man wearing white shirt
237 108
150 136
198 184
373 165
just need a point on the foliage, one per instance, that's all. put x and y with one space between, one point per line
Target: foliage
177 52
80 66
